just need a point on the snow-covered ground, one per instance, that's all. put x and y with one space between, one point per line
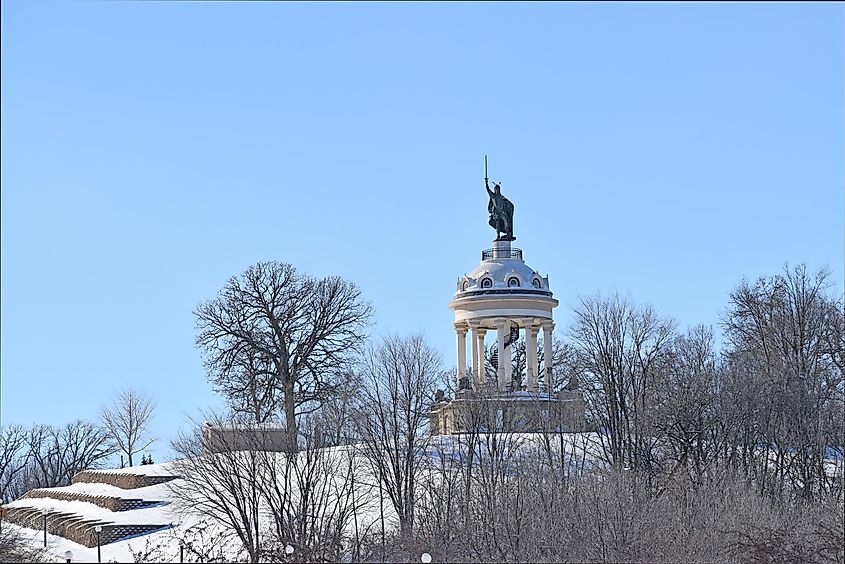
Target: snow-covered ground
581 449
166 542
121 551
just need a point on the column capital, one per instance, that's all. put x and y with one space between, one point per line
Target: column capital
461 327
526 322
500 322
473 323
548 325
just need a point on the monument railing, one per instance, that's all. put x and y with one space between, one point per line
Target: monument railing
490 254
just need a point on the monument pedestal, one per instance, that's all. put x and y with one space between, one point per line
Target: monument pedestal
508 412
506 297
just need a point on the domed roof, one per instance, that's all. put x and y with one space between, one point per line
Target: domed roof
502 271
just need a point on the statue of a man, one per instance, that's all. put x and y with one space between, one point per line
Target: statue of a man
501 212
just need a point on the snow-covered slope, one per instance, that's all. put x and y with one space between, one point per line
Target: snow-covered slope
180 525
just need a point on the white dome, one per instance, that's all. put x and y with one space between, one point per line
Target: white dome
502 271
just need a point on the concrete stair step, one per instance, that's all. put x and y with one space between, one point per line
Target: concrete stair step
76 527
111 503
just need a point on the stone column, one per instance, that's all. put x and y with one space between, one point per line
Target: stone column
508 360
531 354
461 331
482 376
500 343
473 325
548 327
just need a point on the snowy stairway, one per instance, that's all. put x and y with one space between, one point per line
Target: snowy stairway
76 527
74 512
109 502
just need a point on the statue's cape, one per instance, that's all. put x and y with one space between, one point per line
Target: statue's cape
507 205
500 218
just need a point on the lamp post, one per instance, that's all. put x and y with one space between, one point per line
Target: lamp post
44 511
288 551
425 558
68 556
98 529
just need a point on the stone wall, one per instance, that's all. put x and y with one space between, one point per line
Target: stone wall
109 502
231 438
121 480
74 527
520 413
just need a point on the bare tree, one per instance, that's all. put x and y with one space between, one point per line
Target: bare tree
313 498
335 416
265 499
14 456
251 388
221 482
784 335
58 453
689 412
273 327
624 349
565 364
127 420
399 377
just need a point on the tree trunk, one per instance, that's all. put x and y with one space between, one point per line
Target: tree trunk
290 418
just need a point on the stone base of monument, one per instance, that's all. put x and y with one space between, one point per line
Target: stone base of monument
489 411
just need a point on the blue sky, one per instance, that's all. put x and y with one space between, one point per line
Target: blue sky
151 150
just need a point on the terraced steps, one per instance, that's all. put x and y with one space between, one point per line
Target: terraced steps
109 502
122 480
74 515
77 528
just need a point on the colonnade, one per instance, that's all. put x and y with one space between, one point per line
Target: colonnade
477 329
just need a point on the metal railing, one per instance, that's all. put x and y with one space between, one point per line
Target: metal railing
490 254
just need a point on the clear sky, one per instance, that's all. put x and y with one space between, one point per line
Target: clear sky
151 150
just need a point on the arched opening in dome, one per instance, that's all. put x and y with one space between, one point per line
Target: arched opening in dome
513 282
537 283
487 283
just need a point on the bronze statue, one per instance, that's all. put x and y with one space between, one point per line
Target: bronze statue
500 210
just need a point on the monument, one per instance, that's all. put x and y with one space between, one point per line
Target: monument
506 296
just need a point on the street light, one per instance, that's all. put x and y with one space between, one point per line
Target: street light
425 558
288 550
44 512
68 556
98 529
